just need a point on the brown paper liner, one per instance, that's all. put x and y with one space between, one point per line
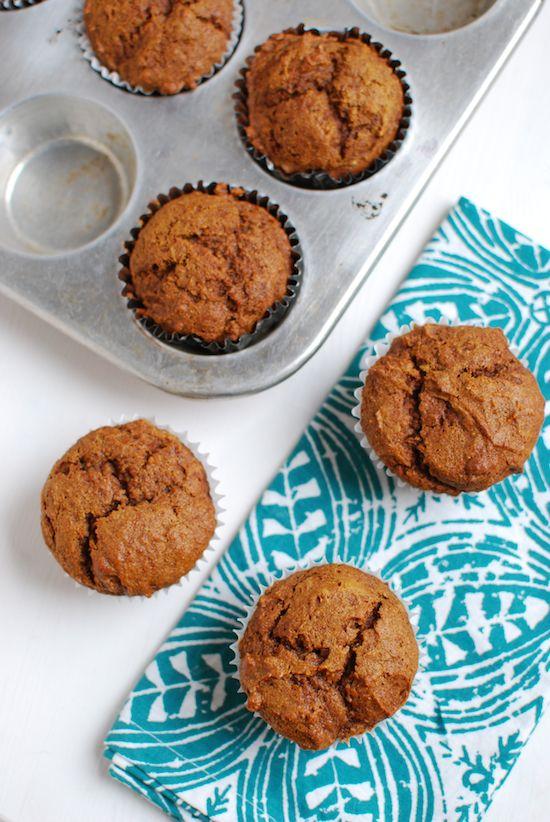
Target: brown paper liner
16 5
321 179
190 341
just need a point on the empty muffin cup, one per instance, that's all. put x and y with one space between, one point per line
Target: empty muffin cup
424 17
68 167
321 178
114 77
220 300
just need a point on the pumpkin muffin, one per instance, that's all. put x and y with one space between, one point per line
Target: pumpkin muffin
159 45
317 102
328 653
127 510
209 264
451 409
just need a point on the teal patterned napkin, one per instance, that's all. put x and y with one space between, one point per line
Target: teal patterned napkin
475 568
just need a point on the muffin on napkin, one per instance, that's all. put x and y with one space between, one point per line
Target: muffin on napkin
451 409
328 653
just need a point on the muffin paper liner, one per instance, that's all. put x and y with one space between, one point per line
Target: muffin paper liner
191 341
113 76
379 350
217 498
15 5
413 613
321 179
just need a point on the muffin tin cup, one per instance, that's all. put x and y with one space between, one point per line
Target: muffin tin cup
113 76
413 613
217 498
321 179
378 350
190 341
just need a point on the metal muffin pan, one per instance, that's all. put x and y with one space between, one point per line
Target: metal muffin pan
78 167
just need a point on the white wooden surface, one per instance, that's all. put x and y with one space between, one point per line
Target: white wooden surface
68 659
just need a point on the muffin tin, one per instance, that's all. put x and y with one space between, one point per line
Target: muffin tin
80 159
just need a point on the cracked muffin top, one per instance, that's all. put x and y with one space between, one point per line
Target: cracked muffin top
210 265
316 103
127 510
450 409
159 45
327 654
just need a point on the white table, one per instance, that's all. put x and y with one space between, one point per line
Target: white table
67 660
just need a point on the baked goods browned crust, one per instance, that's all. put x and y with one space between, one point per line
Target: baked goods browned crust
328 653
318 103
450 409
210 264
127 509
159 45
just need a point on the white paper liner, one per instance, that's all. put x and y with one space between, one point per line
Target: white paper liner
217 499
378 350
413 613
113 76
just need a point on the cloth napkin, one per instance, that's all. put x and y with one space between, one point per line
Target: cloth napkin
475 570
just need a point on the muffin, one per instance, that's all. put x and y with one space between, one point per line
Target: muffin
209 264
321 102
127 510
450 409
327 654
160 46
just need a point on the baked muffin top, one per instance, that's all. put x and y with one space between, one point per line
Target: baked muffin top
127 509
159 45
317 103
210 265
327 654
450 409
